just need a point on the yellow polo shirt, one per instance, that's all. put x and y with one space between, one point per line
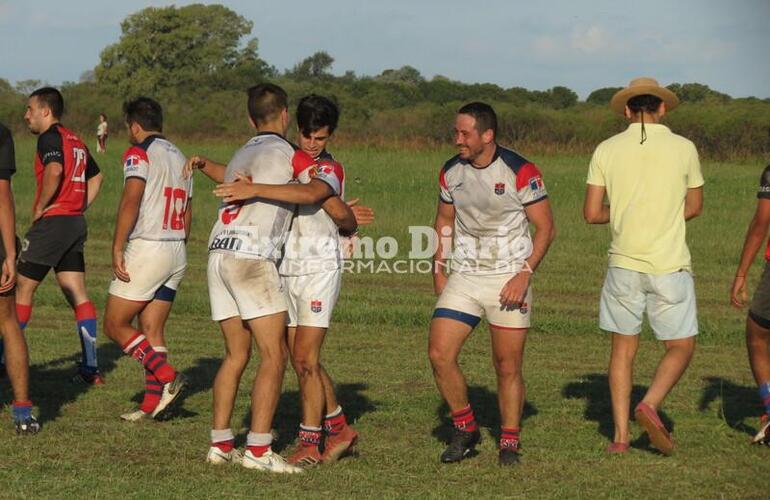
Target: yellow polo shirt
646 186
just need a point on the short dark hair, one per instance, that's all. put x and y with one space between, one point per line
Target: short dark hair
645 102
315 112
146 112
52 98
266 101
485 116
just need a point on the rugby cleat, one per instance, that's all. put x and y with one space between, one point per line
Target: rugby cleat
134 416
269 462
337 445
218 457
648 418
305 456
508 456
171 392
88 377
461 444
763 434
23 420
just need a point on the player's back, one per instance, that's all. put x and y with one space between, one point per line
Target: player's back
258 228
161 165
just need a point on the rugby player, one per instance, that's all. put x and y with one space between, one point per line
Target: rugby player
758 320
148 251
68 180
311 273
17 356
488 197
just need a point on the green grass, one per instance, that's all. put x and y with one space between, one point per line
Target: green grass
376 352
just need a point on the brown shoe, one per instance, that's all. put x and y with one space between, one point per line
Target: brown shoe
336 445
305 456
648 418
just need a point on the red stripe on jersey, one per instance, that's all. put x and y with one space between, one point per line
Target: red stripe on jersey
442 179
301 161
135 151
526 172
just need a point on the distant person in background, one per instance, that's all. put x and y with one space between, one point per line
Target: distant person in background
68 180
758 321
652 178
17 357
101 134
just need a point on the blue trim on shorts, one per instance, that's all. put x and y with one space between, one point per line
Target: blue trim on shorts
165 293
468 319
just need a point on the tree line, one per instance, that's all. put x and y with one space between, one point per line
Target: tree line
198 60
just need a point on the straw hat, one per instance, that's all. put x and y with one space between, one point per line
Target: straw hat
641 86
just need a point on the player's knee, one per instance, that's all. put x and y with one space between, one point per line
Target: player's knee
507 367
306 366
237 359
440 358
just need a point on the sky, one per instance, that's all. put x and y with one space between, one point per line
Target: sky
513 43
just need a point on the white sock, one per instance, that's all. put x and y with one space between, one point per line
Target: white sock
221 435
335 412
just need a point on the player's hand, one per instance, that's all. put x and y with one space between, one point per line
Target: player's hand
738 295
364 215
515 290
37 213
119 266
440 280
238 190
8 275
193 163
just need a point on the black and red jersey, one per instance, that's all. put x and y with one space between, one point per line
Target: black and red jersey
60 145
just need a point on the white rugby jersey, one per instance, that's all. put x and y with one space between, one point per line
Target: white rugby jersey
491 229
160 165
258 228
313 245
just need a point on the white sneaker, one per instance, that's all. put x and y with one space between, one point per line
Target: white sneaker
171 391
763 435
217 457
270 462
134 416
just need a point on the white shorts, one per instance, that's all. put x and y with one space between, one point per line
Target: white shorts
248 288
311 297
467 298
669 300
151 265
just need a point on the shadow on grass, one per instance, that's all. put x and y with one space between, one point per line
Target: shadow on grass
289 413
51 386
595 389
737 402
485 410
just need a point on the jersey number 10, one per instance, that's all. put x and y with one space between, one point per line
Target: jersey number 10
173 214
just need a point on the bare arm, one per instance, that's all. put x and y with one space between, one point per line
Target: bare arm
315 191
51 179
94 186
128 212
187 219
444 228
539 215
755 238
213 170
594 209
341 214
693 203
8 233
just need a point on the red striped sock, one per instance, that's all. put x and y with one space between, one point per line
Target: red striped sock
225 446
223 439
153 388
464 419
142 351
509 438
309 436
335 422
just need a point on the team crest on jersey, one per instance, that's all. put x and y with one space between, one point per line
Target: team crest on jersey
499 188
524 308
317 170
536 183
132 162
316 306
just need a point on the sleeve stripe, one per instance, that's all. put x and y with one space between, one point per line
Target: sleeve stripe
535 201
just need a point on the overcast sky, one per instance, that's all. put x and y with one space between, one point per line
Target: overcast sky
533 44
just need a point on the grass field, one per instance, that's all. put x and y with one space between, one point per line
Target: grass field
376 352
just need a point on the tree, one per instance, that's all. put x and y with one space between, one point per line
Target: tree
316 66
562 97
603 95
178 47
26 87
405 74
697 92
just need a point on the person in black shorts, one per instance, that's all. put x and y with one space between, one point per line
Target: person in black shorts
758 321
68 180
17 358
